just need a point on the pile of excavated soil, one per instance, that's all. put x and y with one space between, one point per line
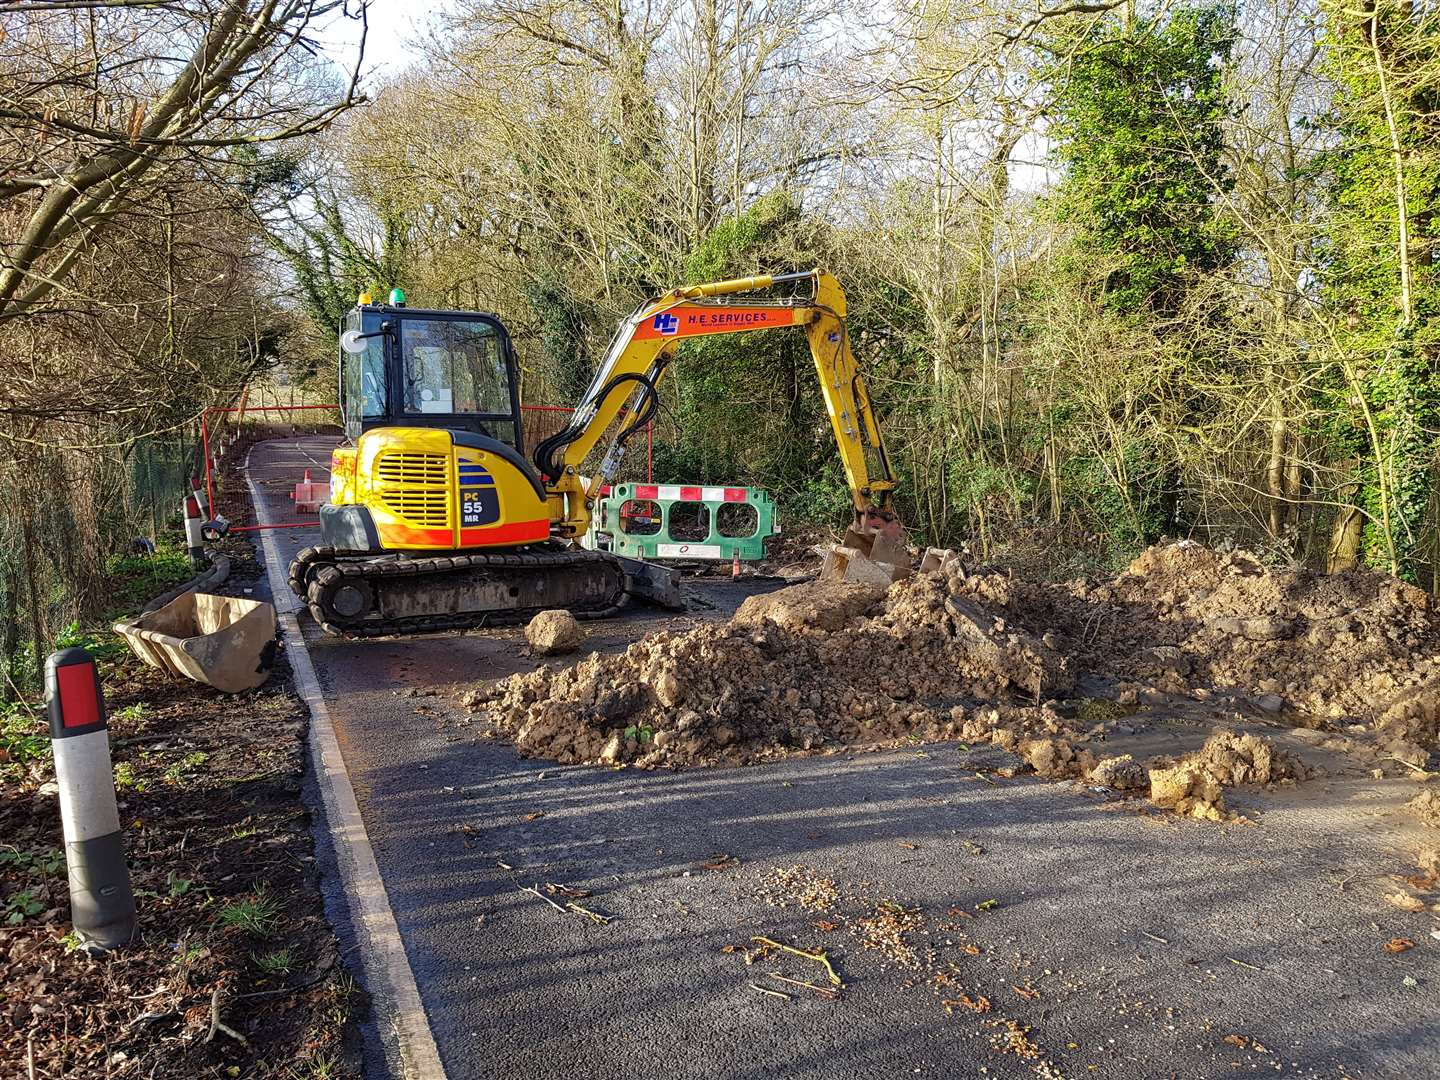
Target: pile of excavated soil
1195 785
1357 645
1426 807
983 657
810 666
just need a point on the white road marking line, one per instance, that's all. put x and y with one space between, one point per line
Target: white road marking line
382 951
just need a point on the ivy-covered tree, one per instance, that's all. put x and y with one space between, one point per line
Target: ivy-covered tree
332 265
1137 126
1379 272
561 318
747 406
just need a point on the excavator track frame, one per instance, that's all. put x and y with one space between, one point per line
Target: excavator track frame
316 573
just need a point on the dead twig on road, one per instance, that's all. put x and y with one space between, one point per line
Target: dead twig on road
534 890
819 957
1242 963
772 993
593 916
570 907
824 991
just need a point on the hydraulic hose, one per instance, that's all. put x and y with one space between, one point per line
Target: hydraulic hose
544 456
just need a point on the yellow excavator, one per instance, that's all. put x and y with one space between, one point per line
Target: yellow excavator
436 520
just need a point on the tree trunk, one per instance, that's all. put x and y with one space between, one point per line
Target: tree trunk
1275 476
1345 533
37 631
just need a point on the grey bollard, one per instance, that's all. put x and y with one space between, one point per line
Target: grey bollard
102 907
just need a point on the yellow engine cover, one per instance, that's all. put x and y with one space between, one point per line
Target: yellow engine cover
426 493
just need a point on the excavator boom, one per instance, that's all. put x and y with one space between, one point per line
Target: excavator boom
627 382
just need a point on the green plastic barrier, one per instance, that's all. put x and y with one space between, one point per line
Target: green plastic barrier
681 521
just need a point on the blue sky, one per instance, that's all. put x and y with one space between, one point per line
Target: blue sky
395 25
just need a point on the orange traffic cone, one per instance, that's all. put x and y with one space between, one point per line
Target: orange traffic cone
735 566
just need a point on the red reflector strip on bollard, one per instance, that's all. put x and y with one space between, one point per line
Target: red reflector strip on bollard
79 703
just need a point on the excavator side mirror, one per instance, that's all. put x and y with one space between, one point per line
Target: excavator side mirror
353 342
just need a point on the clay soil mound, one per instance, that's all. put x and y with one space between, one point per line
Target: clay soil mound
978 656
1348 645
776 678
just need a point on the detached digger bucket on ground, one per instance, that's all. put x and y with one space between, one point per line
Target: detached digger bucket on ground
222 641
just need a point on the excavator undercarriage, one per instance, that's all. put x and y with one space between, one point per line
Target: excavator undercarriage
365 595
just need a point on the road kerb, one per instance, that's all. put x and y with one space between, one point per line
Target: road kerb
382 950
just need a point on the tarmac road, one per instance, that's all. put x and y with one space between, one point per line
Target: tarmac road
1159 948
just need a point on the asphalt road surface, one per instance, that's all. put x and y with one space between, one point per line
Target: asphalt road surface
1117 944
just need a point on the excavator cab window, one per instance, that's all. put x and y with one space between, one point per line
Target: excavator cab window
450 369
453 367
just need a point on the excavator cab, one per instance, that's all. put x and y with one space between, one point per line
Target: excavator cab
442 369
433 455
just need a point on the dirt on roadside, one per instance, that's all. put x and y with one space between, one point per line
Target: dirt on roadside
985 657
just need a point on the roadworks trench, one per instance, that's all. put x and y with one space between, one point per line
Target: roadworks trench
1191 674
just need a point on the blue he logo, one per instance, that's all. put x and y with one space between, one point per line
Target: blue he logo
667 323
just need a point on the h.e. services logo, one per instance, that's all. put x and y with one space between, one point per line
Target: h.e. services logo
667 323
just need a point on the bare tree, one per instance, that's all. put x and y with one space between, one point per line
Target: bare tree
97 97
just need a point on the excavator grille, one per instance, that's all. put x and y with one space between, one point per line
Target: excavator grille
413 486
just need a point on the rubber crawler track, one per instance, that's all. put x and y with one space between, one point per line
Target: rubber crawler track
315 569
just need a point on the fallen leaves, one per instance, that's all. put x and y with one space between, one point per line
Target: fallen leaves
978 1004
1406 902
720 861
535 815
1399 945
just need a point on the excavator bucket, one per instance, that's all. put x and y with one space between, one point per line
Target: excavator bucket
877 556
222 641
